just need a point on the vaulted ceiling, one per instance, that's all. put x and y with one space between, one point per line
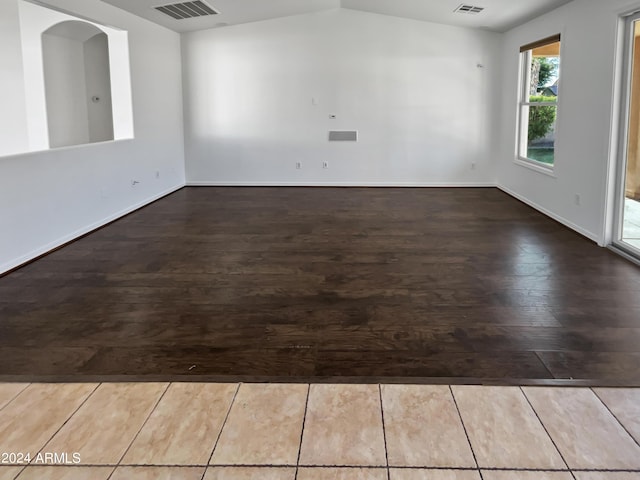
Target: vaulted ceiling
498 15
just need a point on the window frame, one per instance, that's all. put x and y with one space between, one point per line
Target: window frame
524 104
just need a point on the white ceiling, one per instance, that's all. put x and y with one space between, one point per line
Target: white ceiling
499 15
232 12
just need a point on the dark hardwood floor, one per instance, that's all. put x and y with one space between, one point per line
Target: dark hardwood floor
326 284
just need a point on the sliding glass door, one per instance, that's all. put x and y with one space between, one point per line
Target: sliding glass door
628 192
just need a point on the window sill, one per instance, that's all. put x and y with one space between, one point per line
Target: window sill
66 147
535 166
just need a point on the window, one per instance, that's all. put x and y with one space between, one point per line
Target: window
538 103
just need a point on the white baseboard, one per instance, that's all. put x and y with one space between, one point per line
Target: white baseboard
83 231
340 184
590 235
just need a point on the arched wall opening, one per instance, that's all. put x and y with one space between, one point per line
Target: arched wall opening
77 84
69 79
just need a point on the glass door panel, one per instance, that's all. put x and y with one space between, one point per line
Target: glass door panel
629 188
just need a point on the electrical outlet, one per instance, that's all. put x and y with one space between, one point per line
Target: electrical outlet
298 165
325 165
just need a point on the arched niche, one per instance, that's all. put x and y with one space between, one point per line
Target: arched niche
77 83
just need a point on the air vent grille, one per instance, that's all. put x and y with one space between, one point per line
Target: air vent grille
343 136
472 9
181 11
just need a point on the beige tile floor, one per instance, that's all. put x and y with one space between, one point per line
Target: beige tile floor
197 431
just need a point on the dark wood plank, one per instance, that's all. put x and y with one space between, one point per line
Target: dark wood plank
309 284
25 361
196 360
619 368
419 364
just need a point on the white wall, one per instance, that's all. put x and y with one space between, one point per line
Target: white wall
413 90
13 120
98 81
589 31
47 198
65 91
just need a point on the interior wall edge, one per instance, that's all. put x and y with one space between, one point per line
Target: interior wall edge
49 247
558 218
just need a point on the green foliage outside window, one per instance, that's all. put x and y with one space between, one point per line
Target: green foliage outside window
547 70
541 118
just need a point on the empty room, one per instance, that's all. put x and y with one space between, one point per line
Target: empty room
320 239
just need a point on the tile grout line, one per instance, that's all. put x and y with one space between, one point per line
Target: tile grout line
304 420
323 466
547 432
15 396
384 433
344 467
464 427
224 423
610 470
68 419
614 416
141 427
115 467
24 467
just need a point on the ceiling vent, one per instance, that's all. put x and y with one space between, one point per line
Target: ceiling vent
472 9
181 11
